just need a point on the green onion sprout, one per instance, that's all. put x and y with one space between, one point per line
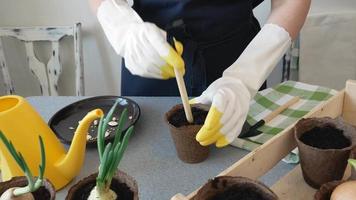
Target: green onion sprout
111 154
33 184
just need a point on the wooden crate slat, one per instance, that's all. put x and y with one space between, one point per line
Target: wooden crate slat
292 186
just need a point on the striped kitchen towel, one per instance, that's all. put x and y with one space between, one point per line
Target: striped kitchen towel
270 99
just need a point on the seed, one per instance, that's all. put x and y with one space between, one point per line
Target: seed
114 119
113 123
89 137
130 117
71 128
107 133
95 122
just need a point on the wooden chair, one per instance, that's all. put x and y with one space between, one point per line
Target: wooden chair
47 74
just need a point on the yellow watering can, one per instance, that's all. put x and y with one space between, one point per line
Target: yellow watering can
21 124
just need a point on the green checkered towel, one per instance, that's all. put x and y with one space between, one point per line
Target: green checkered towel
270 99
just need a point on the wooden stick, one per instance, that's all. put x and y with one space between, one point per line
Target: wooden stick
184 96
280 109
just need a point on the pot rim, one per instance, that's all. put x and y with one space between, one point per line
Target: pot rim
85 180
46 184
239 180
299 142
180 106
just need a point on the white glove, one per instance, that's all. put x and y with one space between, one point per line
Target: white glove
143 45
230 95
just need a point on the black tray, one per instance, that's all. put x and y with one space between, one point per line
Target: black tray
65 121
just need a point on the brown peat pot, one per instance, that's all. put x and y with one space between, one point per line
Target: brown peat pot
233 188
45 192
183 133
122 184
324 146
353 170
325 191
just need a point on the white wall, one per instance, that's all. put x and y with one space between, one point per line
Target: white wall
102 65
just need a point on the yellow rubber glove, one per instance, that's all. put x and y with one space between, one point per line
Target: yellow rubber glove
229 100
143 45
230 95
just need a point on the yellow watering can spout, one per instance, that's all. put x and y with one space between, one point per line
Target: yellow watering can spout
22 125
71 163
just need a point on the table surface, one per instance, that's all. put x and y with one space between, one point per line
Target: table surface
151 158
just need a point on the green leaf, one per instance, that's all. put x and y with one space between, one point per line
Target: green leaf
353 163
109 115
100 140
122 149
103 163
43 158
122 121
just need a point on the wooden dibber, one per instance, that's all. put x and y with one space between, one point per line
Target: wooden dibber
252 130
184 96
280 109
181 84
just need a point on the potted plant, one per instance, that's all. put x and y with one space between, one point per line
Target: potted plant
338 190
183 133
26 187
324 146
231 188
108 183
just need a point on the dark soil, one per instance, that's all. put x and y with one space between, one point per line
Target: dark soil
41 194
122 191
178 119
239 193
326 137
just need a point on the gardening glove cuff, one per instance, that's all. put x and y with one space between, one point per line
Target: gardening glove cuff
143 45
260 57
230 95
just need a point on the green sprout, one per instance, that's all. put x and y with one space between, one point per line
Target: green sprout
33 184
111 154
352 162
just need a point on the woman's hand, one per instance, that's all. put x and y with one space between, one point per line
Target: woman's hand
229 99
143 45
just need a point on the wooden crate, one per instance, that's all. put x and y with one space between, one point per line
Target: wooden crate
261 160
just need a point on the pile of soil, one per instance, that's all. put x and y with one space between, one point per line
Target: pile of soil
178 119
122 191
326 137
239 192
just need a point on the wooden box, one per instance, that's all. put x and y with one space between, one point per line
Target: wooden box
258 162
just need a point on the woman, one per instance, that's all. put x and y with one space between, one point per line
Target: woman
227 57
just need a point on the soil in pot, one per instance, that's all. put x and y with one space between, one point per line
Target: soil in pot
45 192
183 133
178 119
233 188
122 184
326 137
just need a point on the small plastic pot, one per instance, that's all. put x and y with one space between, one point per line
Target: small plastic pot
45 192
122 184
320 166
231 188
187 148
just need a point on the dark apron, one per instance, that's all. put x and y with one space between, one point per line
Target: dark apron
213 32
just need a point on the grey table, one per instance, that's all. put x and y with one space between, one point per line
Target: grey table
151 158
